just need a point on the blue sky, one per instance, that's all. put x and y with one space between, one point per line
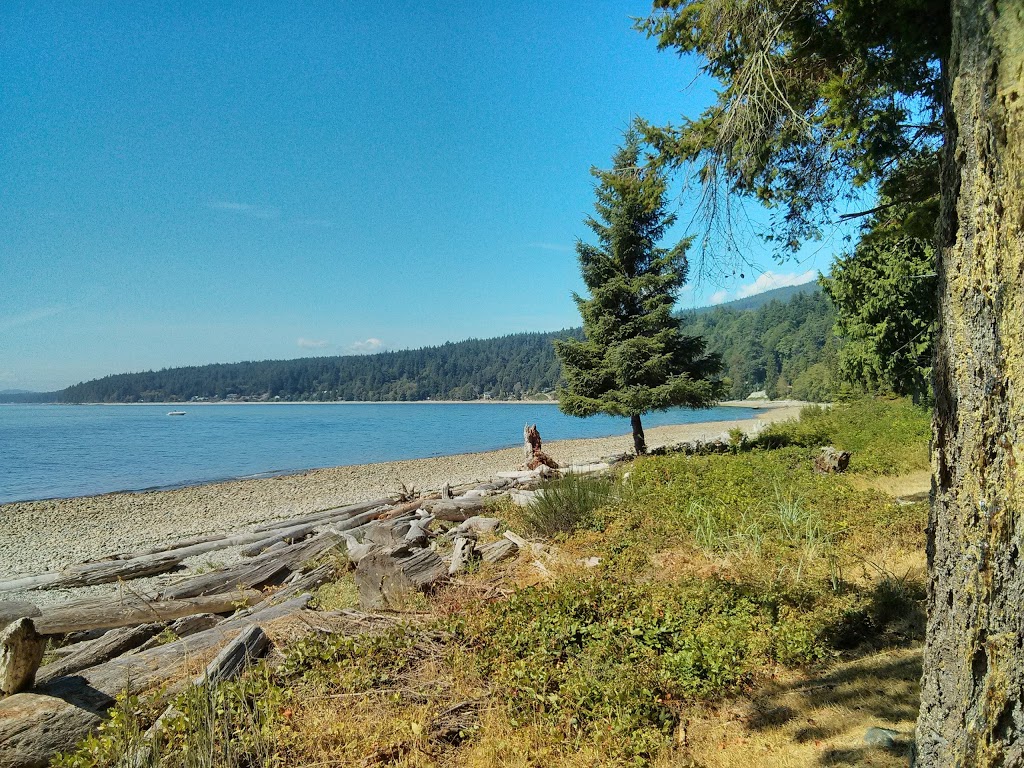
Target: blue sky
186 183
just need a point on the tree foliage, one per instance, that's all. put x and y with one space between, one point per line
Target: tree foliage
884 293
818 98
634 358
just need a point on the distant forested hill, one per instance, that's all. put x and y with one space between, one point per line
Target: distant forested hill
785 347
505 367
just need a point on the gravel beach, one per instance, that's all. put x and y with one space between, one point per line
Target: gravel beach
39 536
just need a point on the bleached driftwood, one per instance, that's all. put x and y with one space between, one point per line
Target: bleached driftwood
21 651
478 524
131 611
462 554
496 551
244 575
283 536
334 513
249 644
35 725
113 643
588 469
258 571
12 610
524 474
305 582
183 627
89 574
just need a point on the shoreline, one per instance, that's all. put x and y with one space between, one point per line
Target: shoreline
755 404
52 534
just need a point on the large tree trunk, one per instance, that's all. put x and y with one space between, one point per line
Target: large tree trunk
639 441
973 681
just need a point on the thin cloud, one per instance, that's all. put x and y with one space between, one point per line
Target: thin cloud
367 347
770 280
551 247
311 343
26 318
245 209
766 282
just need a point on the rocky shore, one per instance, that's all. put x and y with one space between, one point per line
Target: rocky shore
41 536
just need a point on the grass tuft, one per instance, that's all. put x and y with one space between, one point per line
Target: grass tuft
567 504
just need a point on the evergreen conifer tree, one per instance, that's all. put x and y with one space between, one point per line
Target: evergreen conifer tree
634 359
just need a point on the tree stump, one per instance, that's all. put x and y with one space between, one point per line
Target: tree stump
535 457
388 578
831 461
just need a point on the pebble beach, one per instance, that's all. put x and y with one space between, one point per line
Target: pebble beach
47 535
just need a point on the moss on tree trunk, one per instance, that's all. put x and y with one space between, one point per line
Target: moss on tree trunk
973 681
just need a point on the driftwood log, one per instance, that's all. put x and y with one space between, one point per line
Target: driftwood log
89 574
268 568
284 536
462 553
496 551
323 515
131 611
35 725
113 643
183 627
12 610
250 644
305 583
388 578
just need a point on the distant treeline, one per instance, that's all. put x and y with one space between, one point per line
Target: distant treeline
785 347
505 367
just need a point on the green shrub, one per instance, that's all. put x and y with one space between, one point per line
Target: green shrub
886 437
567 504
591 655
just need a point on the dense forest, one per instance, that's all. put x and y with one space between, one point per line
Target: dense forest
783 346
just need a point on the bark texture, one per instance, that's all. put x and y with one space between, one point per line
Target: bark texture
639 441
971 698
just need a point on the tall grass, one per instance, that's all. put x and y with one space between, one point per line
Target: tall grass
567 504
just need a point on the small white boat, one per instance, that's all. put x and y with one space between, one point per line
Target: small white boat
175 413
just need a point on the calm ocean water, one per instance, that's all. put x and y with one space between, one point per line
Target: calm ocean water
49 451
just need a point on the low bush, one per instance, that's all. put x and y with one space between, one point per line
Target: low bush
597 656
886 437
